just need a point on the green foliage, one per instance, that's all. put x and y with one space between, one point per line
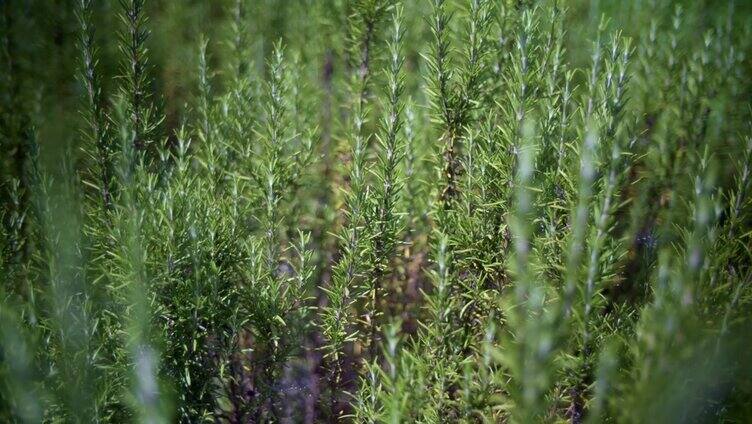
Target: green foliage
375 211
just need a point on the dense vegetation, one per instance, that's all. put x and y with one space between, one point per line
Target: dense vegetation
375 211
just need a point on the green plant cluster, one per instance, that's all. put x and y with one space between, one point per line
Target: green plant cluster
377 211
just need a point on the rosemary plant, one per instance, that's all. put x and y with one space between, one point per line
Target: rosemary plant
376 211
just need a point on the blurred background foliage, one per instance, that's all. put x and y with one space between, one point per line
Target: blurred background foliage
43 34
